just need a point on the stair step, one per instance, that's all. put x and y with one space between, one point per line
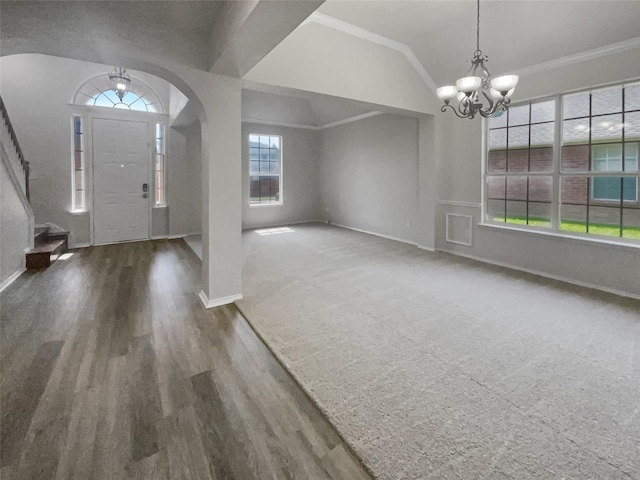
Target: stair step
40 256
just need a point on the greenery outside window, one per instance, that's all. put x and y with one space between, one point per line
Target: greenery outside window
567 163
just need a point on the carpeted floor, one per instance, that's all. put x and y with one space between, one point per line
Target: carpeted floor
434 366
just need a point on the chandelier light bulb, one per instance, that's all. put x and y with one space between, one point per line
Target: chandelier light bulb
504 83
447 93
469 84
478 92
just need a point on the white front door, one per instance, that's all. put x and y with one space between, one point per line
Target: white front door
120 170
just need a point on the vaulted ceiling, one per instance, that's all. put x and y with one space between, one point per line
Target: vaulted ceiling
514 34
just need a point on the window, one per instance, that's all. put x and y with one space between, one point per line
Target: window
130 101
159 167
608 158
77 166
568 164
96 91
265 169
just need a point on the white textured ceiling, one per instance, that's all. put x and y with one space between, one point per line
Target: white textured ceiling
514 34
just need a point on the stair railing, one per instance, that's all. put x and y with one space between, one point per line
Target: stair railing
14 152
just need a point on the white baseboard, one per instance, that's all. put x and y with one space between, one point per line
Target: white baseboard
79 245
388 237
546 275
12 279
217 302
428 249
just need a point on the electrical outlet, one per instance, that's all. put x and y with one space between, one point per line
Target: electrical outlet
408 223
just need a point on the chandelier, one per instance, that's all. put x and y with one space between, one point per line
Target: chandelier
120 81
477 86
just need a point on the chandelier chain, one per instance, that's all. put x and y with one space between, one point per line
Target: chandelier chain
478 29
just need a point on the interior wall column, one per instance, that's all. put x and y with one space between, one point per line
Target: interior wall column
221 192
427 183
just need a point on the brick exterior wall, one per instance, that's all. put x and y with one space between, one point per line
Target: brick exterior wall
574 191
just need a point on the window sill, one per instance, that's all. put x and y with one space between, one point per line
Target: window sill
599 241
270 204
160 206
78 212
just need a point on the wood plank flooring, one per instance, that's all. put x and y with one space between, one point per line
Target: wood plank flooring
111 369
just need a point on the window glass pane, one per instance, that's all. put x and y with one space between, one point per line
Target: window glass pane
254 140
573 206
604 220
79 179
541 159
78 163
264 167
575 131
497 161
519 115
254 153
575 105
159 162
606 100
274 167
498 120
631 157
575 158
254 167
632 125
542 134
631 221
614 189
274 142
543 111
79 199
517 200
497 139
605 128
496 210
539 201
518 136
274 154
264 141
518 160
606 158
632 97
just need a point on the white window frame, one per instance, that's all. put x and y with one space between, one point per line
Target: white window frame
280 200
159 158
78 146
558 174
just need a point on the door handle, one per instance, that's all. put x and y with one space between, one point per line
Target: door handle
145 195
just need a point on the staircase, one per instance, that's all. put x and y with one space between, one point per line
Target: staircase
48 246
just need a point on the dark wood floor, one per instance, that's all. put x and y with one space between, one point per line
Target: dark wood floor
111 369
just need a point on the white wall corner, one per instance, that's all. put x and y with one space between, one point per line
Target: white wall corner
12 279
217 302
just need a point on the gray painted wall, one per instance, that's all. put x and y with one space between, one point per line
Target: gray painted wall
14 227
301 192
37 90
369 175
459 158
185 199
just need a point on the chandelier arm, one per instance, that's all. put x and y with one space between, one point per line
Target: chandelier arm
454 109
468 111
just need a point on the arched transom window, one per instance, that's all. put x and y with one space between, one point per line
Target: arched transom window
97 92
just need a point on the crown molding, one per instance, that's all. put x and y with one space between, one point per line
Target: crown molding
312 127
359 32
350 119
614 48
280 124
